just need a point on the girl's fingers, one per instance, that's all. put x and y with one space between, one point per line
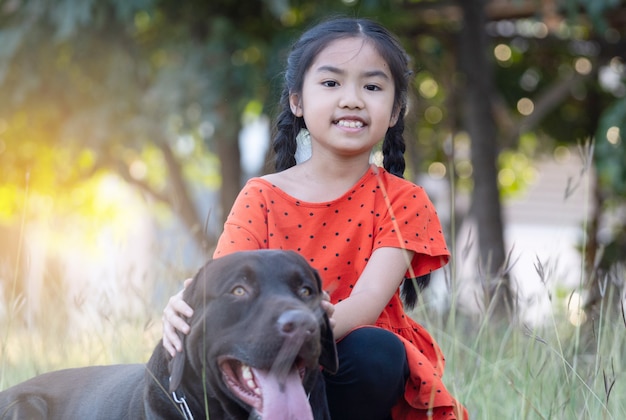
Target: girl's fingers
173 321
169 346
329 308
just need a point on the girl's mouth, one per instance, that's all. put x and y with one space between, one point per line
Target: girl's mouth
349 123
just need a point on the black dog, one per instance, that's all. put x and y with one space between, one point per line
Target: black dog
258 337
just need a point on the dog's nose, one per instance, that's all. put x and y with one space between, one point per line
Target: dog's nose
294 322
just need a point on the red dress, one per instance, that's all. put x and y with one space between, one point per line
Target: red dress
337 237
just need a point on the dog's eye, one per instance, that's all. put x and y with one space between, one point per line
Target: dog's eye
238 291
305 291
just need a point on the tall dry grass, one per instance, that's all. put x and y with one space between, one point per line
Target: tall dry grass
499 370
509 370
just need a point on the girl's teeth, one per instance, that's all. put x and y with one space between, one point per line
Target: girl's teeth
351 124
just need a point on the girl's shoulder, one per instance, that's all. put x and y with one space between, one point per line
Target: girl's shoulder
266 189
257 181
393 184
276 186
256 186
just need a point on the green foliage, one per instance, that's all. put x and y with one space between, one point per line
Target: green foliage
92 87
516 173
610 152
597 9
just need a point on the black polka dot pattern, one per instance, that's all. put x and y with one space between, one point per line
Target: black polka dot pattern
351 227
338 237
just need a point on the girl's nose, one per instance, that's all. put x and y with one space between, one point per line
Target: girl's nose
351 98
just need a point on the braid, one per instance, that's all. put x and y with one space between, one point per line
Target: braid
301 57
410 287
287 128
394 147
393 161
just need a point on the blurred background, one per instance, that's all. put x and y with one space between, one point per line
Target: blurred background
127 128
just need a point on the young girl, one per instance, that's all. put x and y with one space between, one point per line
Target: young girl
364 228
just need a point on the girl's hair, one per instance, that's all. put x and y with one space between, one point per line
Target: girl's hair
302 55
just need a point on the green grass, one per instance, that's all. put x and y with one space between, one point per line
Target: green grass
556 371
497 371
26 352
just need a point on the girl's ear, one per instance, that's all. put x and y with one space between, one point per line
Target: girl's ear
295 104
394 117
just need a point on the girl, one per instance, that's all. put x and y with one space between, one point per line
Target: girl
364 228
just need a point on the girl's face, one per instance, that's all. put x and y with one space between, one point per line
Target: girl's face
347 98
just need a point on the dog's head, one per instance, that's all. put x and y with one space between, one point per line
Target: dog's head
258 331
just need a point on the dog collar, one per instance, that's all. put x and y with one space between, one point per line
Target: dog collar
182 405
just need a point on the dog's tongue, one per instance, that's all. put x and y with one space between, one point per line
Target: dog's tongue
283 397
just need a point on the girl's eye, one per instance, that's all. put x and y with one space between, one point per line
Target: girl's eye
372 87
329 83
238 291
305 291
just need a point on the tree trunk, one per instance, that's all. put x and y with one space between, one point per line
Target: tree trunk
182 201
230 158
480 124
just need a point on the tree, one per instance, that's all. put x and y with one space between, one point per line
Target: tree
555 57
114 85
114 79
478 93
85 80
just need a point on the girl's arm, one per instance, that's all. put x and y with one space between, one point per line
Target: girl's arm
379 281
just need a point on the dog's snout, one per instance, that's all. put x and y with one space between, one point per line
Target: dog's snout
296 322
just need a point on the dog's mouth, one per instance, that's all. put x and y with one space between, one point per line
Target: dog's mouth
271 394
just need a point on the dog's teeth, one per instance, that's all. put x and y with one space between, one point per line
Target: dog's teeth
246 373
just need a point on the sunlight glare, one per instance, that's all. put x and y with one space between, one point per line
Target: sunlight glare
506 177
464 169
428 88
437 170
138 169
613 135
502 52
433 114
583 66
561 154
577 315
525 106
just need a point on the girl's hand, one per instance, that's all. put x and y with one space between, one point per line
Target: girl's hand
173 321
329 308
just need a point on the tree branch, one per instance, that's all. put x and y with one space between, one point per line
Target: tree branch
544 103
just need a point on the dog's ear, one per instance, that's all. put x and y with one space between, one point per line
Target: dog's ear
176 366
328 358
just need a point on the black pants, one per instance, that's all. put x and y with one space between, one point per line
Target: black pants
372 374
